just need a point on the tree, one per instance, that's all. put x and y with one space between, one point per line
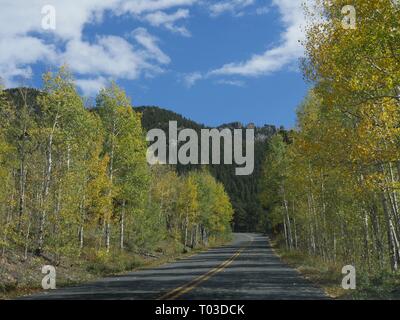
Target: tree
7 164
126 149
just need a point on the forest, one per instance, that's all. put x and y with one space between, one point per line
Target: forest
249 214
332 185
75 182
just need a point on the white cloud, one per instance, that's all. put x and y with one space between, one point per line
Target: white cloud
18 53
91 86
110 56
160 18
23 42
19 17
233 6
149 42
142 6
190 79
272 60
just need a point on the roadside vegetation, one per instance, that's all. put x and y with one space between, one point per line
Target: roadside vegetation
328 275
332 184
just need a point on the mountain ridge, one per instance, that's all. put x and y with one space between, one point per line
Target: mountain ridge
242 190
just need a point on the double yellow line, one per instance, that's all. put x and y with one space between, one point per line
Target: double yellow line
176 293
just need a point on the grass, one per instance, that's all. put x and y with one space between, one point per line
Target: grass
19 277
384 285
328 275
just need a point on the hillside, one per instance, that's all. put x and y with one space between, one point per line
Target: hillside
243 190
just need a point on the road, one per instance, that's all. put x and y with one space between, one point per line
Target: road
246 269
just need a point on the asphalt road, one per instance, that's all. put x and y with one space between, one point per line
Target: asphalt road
248 268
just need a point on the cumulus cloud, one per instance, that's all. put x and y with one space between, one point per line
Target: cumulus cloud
110 55
91 86
160 18
287 51
18 53
20 17
23 41
150 43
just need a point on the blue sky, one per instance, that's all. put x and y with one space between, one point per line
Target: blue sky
212 61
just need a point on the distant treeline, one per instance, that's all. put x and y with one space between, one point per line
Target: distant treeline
249 214
76 180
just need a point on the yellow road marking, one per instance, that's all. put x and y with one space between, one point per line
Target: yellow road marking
177 292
